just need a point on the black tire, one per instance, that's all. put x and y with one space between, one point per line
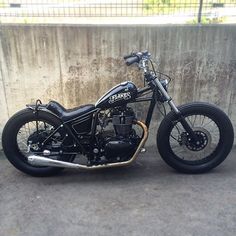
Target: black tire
226 138
10 146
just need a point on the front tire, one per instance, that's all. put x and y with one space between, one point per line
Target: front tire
213 151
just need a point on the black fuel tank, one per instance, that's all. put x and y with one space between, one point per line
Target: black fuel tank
119 95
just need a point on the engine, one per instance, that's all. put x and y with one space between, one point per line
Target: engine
122 120
120 141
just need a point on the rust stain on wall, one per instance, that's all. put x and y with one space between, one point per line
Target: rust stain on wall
87 82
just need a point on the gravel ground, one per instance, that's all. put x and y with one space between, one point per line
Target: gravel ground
145 198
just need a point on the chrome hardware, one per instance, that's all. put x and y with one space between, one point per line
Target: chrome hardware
29 146
95 150
46 152
166 95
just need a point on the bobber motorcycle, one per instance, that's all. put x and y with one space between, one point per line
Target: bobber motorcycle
43 139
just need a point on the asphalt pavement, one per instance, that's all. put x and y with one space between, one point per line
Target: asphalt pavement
145 198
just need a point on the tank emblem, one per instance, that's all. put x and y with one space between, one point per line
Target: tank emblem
119 96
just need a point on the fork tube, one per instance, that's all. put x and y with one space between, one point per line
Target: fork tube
166 95
182 120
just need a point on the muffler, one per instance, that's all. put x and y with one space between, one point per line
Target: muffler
45 161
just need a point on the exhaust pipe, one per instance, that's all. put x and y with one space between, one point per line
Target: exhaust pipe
43 161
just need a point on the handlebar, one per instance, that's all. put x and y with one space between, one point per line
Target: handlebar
144 60
136 57
130 60
128 56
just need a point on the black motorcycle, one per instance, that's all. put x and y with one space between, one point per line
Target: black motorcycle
43 139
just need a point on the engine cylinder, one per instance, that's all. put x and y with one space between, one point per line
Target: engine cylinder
122 119
122 124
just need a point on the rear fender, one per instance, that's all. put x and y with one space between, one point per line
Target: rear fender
41 107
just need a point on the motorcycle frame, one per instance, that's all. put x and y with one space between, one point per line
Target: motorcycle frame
67 125
155 86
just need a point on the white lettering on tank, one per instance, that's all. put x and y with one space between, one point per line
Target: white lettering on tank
119 96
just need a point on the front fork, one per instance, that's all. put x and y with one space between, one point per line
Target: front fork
181 118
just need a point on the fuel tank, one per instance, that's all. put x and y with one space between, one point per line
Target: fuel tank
119 95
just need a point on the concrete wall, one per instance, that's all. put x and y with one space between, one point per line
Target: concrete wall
77 64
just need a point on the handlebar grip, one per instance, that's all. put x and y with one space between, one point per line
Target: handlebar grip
129 61
128 56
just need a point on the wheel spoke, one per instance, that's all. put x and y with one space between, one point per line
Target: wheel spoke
207 123
207 131
203 120
194 120
189 121
28 131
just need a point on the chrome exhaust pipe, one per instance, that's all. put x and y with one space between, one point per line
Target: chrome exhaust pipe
43 161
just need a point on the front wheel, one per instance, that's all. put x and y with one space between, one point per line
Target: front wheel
214 133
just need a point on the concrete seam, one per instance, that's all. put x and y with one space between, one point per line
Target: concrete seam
59 62
3 82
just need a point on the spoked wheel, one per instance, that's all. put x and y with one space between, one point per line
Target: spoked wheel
24 135
214 138
32 134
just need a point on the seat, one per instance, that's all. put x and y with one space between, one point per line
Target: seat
68 114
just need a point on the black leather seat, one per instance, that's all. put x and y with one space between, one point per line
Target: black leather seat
68 114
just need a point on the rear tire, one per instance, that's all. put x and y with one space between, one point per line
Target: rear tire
226 138
11 148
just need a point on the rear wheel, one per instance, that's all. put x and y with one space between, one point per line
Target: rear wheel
214 133
24 134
